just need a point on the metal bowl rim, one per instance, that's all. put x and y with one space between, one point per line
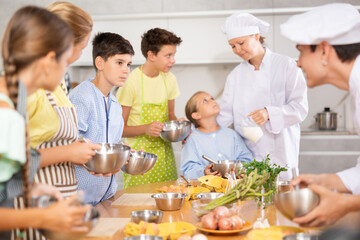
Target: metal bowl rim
147 155
157 195
157 213
127 148
184 124
203 195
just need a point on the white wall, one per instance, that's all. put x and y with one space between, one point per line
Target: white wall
193 77
204 59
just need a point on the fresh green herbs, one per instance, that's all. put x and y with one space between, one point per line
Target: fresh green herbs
248 188
266 167
257 181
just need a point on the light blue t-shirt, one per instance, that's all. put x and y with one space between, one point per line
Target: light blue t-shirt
224 144
100 120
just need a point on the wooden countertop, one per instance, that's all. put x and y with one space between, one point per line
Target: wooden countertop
250 210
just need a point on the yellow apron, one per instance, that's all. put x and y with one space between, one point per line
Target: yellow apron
165 166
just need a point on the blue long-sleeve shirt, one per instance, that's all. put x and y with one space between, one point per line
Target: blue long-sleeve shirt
224 144
101 121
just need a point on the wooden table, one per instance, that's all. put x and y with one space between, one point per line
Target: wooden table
250 211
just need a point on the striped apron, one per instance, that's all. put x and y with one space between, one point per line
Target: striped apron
60 175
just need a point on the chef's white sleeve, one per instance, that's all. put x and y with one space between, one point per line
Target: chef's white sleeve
295 108
350 178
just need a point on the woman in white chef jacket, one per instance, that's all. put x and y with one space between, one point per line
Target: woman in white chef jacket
266 86
328 39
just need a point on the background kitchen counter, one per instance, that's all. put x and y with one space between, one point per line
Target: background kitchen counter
328 151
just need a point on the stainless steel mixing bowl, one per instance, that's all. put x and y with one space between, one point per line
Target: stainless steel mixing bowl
152 216
169 201
144 237
139 163
109 159
296 203
90 221
225 166
301 236
208 197
175 131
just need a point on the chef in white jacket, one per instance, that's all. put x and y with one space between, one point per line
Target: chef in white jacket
267 87
328 39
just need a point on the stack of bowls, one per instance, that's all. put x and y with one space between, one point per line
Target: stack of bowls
169 201
139 163
109 159
175 131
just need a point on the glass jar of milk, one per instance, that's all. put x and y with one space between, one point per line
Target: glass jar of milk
250 129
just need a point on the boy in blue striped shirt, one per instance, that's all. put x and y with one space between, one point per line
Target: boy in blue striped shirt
99 112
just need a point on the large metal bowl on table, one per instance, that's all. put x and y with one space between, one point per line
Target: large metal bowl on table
175 131
109 159
169 201
225 166
151 216
139 163
144 237
208 197
301 236
296 203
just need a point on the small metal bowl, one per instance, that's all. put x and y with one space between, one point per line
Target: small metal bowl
169 201
175 131
208 197
152 216
226 166
144 237
109 159
301 236
90 220
139 163
296 203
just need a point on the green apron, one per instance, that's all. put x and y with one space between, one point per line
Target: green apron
165 166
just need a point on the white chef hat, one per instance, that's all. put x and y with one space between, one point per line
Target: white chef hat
243 24
337 24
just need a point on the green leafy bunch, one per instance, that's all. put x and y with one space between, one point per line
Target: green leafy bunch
266 167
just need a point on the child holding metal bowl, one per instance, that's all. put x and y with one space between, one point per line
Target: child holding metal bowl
208 138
